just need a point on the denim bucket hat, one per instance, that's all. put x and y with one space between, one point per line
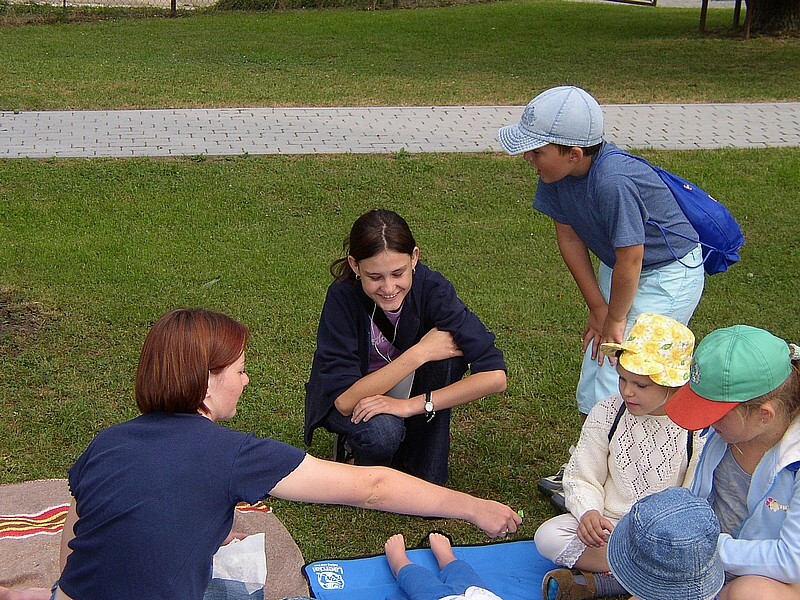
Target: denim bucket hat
565 115
665 548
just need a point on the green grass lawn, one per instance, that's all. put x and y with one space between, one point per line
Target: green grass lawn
485 54
93 251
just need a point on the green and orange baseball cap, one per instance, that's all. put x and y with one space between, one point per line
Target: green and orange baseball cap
730 366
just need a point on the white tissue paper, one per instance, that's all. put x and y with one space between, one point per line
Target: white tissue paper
243 560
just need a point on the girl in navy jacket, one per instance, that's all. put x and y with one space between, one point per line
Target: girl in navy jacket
393 345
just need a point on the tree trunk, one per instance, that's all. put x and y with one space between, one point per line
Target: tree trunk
774 16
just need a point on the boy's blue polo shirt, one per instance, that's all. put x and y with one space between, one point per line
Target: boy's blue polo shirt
626 194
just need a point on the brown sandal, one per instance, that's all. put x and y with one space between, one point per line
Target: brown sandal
567 586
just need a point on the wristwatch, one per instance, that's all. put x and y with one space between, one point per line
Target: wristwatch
430 411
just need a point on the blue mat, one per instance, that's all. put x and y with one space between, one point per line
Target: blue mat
513 570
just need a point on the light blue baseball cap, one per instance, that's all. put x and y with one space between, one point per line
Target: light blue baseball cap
565 115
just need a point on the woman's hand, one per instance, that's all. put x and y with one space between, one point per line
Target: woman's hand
594 529
496 520
383 405
438 345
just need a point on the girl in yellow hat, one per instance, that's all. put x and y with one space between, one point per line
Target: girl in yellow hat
628 449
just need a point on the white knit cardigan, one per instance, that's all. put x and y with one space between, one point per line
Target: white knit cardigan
647 454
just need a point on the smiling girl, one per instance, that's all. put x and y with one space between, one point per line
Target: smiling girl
393 345
628 449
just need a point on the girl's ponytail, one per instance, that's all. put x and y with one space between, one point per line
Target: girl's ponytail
792 384
794 354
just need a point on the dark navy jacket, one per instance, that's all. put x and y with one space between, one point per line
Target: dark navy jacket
343 340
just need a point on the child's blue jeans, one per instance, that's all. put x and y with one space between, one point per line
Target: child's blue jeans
418 583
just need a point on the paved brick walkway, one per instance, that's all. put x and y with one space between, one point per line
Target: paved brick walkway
231 131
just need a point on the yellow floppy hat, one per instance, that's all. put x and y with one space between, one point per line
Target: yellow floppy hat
656 346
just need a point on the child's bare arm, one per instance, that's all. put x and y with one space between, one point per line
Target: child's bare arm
624 284
576 257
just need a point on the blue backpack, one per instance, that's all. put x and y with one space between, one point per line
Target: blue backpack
720 234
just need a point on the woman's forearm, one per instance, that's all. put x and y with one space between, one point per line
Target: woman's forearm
385 489
477 385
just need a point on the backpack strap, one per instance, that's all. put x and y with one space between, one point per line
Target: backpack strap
606 154
665 230
689 434
617 419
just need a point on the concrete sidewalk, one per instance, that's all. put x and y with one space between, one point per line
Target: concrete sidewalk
234 131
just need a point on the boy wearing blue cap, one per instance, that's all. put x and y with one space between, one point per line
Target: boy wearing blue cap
602 208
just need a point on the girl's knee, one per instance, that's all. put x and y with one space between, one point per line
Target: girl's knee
550 539
378 439
748 587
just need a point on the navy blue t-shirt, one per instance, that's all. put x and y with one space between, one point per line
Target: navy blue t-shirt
155 498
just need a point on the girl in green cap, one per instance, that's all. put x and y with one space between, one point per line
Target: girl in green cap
744 385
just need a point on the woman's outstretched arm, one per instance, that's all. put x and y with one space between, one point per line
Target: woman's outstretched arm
385 489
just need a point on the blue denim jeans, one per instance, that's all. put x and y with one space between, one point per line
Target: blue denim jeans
673 290
418 583
218 589
226 589
413 445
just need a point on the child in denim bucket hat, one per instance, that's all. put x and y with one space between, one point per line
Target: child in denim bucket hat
561 135
744 385
665 548
628 449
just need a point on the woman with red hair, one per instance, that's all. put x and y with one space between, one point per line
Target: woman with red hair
154 497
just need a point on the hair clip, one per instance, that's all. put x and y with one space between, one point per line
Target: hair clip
794 352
